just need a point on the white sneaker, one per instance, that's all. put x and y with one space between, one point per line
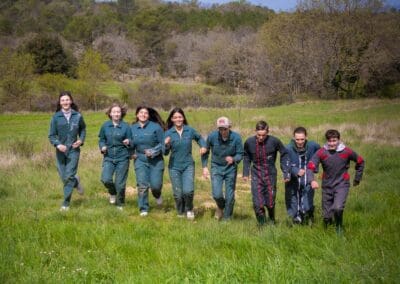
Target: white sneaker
113 199
144 213
64 208
79 187
190 215
159 201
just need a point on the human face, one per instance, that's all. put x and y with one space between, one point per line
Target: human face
224 132
65 102
261 135
143 115
300 140
115 114
333 143
177 118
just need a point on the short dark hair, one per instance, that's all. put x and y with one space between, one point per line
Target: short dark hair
300 129
116 104
332 133
262 125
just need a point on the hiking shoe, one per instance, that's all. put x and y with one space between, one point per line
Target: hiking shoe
113 199
64 208
144 213
190 215
218 213
79 187
297 220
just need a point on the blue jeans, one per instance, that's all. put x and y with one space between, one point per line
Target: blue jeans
148 177
67 165
226 202
115 186
299 200
183 188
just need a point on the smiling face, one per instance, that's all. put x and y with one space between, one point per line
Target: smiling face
65 102
333 143
177 119
115 114
300 140
143 115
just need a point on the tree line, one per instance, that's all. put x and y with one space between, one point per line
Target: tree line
326 48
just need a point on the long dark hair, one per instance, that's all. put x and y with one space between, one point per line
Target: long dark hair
171 114
66 93
154 116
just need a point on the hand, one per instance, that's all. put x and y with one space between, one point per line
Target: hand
147 152
167 140
314 184
104 149
245 179
62 148
206 173
285 180
126 142
229 160
133 157
77 144
356 182
301 172
203 150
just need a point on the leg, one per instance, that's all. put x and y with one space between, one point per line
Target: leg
230 186
338 207
327 202
292 200
216 187
308 203
269 191
175 176
258 199
121 175
68 169
188 187
156 180
107 176
142 179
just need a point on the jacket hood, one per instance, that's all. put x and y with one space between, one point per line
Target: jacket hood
339 148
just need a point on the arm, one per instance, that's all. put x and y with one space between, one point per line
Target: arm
53 135
284 161
204 158
359 168
160 147
239 150
200 141
312 167
102 140
246 161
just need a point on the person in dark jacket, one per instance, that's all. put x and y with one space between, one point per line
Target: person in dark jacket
67 134
335 158
227 152
299 196
148 148
114 139
178 141
260 151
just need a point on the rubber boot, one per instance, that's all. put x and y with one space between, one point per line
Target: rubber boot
327 222
339 222
261 220
271 215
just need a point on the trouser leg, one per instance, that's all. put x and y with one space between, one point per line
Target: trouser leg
230 187
121 175
188 187
177 189
67 167
107 176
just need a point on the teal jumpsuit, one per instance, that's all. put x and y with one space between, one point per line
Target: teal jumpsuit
64 132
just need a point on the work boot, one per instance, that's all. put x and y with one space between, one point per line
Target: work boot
327 222
261 220
218 213
271 215
339 222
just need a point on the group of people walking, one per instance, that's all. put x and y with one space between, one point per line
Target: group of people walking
149 138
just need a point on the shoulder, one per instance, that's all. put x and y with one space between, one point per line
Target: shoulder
236 135
250 140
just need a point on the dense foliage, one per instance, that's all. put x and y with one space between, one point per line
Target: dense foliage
328 49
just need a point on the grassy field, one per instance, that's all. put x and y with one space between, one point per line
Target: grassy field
95 243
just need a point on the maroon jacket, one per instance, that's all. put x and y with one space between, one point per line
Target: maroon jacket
335 165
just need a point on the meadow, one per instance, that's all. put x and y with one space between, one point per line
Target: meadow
96 243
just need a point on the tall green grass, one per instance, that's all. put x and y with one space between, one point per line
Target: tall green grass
95 243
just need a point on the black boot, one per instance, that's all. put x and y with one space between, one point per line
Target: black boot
271 215
339 222
327 222
261 220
